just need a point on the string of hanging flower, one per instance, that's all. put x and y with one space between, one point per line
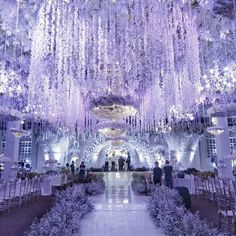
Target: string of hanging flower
83 49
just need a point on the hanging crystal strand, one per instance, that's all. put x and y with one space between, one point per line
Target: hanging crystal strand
62 54
169 58
88 52
82 62
69 76
177 50
52 29
107 65
101 51
94 47
115 63
33 65
76 44
196 73
139 49
17 14
234 24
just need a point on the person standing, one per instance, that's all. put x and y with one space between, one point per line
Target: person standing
120 163
68 173
117 165
22 172
67 168
82 171
72 167
168 169
157 174
113 163
106 163
128 161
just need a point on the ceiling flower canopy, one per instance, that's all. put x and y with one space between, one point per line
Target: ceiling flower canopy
83 49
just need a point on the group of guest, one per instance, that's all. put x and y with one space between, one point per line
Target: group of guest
157 174
70 169
119 164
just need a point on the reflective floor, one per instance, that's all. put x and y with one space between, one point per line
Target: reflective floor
119 212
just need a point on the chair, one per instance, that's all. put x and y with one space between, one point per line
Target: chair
3 191
34 188
21 195
28 191
226 204
199 187
38 188
210 189
11 194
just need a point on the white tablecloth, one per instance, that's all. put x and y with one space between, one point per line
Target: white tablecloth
185 182
50 181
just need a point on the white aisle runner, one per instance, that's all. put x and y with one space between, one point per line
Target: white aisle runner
119 212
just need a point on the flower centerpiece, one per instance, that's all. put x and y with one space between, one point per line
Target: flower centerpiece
114 107
112 130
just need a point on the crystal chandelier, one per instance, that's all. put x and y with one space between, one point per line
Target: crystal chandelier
113 107
18 133
112 129
219 82
215 130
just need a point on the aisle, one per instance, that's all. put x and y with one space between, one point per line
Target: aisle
119 212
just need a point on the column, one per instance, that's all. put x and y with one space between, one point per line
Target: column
223 148
34 146
196 163
38 150
12 149
41 155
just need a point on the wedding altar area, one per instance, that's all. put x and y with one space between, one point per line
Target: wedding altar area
117 117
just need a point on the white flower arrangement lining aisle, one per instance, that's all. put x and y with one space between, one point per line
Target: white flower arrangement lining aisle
63 219
168 212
